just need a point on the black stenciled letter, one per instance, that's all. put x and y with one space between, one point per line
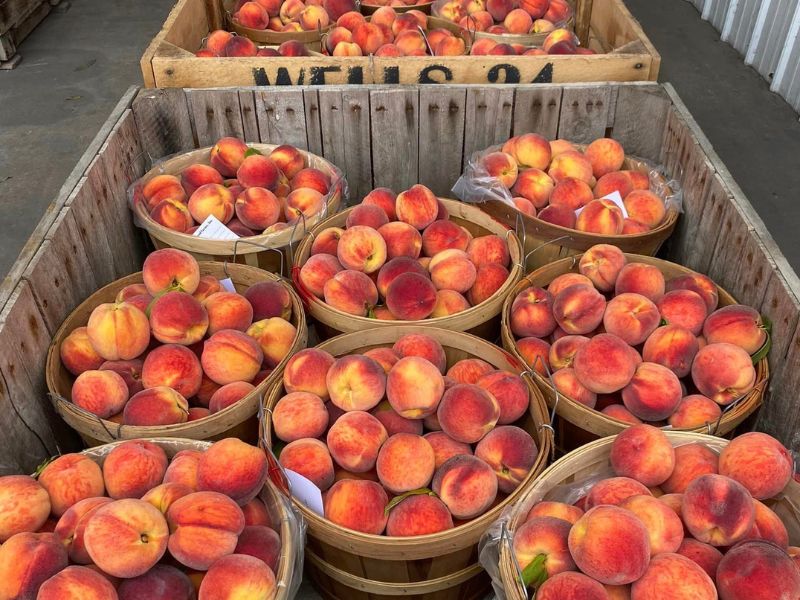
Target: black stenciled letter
424 74
511 74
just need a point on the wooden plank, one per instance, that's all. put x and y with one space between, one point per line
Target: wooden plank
489 114
163 122
537 110
640 116
782 412
313 131
441 125
215 114
395 133
780 306
282 118
584 113
247 103
583 18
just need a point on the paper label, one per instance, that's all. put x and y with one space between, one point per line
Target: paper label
616 198
305 491
214 229
227 284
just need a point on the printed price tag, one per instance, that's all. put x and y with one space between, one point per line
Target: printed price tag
616 198
305 491
214 229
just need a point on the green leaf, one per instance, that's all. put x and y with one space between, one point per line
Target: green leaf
535 573
252 152
398 499
42 466
767 323
764 350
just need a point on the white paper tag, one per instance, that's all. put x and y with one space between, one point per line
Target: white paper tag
616 198
214 229
305 491
227 284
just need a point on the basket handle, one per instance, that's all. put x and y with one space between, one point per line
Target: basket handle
276 473
262 246
505 540
547 243
532 374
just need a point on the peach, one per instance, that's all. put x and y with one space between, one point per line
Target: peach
356 382
535 353
717 510
560 146
563 350
228 395
382 197
351 292
369 37
640 179
723 372
410 42
129 370
518 21
162 496
69 479
674 577
288 159
195 413
252 15
605 364
569 584
394 268
366 215
600 216
118 331
207 389
311 178
571 193
414 387
617 181
401 239
418 515
238 576
452 270
393 422
207 285
614 491
230 356
303 204
299 415
177 318
467 485
162 187
417 206
570 164
311 459
567 383
558 510
602 264
673 347
643 453
256 513
327 241
313 17
768 526
306 371
610 544
275 336
511 393
212 199
227 155
257 208
704 555
691 461
269 299
700 284
228 310
543 539
558 215
385 357
133 467
355 439
467 413
757 570
423 346
102 393
126 538
502 167
162 582
578 309
528 150
489 278
532 313
645 207
77 353
632 317
204 527
619 412
234 468
641 278
24 505
156 406
606 155
183 468
488 249
27 560
172 214
469 370
338 8
511 452
664 527
631 227
566 280
444 235
448 302
358 505
759 462
405 462
258 171
445 447
736 324
534 185
411 296
173 366
524 205
262 543
482 46
499 9
695 411
653 392
684 308
77 582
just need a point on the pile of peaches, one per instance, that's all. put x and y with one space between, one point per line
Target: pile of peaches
176 339
378 468
290 16
506 16
558 183
248 192
678 523
620 339
402 250
141 526
559 41
221 43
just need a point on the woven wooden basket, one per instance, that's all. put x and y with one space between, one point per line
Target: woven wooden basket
310 39
279 511
593 459
348 565
594 422
368 8
545 242
269 251
238 420
482 320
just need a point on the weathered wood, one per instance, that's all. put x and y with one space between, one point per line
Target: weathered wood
583 17
247 104
282 118
163 123
441 137
395 137
488 116
313 131
640 116
18 18
584 113
537 110
214 114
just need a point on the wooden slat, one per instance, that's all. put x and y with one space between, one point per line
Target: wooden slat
395 137
282 118
313 132
584 113
163 122
441 136
781 414
640 116
583 17
537 110
247 104
489 114
214 114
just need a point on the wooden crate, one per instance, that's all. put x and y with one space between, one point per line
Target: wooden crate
605 25
17 19
378 136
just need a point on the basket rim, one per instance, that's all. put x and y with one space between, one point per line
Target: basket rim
744 406
537 410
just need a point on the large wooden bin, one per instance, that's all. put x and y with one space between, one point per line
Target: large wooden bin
603 25
378 136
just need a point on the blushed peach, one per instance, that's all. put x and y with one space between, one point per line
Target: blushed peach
234 468
162 582
645 207
684 308
532 313
299 415
306 371
619 412
172 214
445 447
212 199
118 331
261 542
617 181
227 155
156 406
529 149
610 544
77 353
352 292
163 187
289 159
313 179
757 570
444 235
303 204
393 422
691 461
418 515
275 336
641 278
664 527
578 309
77 582
177 318
723 372
569 584
694 411
230 356
768 526
423 346
133 467
643 453
717 510
653 392
467 412
558 510
488 249
736 324
701 285
357 505
69 479
535 352
704 555
558 214
449 302
600 216
604 364
269 299
256 513
640 179
606 155
562 351
24 505
355 439
356 382
405 462
501 166
482 46
631 227
614 491
385 357
602 264
559 146
417 206
366 215
535 186
567 383
183 468
632 317
327 241
162 496
414 387
316 272
27 560
571 193
207 285
759 462
544 536
228 395
173 366
394 268
252 15
401 239
259 171
673 347
467 485
102 393
566 280
469 370
195 413
489 278
257 208
238 576
524 206
382 197
129 370
311 459
674 577
411 296
511 452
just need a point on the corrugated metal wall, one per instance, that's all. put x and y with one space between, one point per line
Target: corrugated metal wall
767 33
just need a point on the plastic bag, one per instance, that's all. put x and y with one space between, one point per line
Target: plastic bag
298 528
